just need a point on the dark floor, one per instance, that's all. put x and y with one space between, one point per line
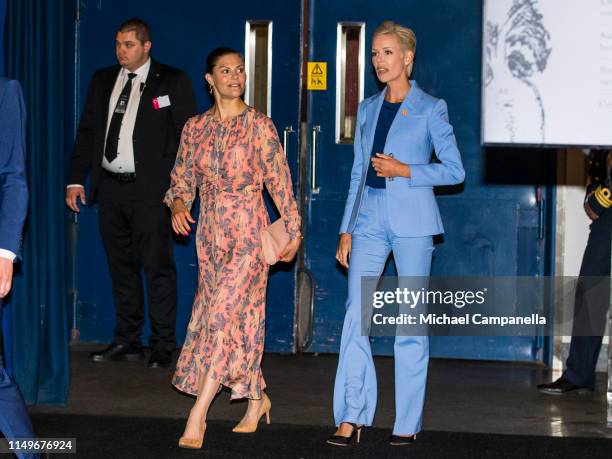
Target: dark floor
462 396
104 437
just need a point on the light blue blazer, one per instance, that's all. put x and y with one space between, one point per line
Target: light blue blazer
421 124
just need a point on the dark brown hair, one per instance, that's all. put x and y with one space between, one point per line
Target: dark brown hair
143 33
218 53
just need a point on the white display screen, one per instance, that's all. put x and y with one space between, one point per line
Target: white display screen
547 72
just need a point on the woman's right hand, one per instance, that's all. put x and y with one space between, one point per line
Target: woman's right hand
344 249
181 218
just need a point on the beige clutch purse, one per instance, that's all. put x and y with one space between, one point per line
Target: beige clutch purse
274 239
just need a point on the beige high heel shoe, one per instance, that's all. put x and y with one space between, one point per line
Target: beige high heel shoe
193 443
250 427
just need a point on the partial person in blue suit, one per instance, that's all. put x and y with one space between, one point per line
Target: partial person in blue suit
14 420
391 207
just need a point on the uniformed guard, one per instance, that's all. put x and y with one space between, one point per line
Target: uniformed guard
593 289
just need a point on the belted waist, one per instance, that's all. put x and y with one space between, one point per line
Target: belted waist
122 177
215 187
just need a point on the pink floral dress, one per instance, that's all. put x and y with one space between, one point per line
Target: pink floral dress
228 163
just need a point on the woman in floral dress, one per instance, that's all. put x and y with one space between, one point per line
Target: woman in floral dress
228 153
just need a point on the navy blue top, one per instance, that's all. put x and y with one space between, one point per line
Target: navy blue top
385 118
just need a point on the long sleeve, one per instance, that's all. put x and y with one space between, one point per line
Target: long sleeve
13 184
183 102
278 178
450 169
599 181
80 161
182 177
356 172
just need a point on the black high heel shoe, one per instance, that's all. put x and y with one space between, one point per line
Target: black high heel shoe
339 440
396 440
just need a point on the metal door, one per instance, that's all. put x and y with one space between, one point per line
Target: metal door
495 222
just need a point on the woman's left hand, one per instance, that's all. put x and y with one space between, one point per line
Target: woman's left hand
289 253
388 166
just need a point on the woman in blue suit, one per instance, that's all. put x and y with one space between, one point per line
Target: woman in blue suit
391 207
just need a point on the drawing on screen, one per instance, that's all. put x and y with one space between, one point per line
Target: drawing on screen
519 48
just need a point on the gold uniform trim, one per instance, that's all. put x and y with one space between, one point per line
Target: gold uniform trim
603 197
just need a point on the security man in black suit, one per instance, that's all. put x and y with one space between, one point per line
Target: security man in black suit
593 289
127 141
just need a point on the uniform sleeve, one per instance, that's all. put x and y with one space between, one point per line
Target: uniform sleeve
599 181
182 177
80 160
278 178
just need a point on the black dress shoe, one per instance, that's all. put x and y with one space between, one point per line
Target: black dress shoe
160 359
116 352
562 386
396 440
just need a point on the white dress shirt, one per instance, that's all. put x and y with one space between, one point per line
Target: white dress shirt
124 162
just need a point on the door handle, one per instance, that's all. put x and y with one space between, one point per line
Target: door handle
305 310
541 212
313 178
288 130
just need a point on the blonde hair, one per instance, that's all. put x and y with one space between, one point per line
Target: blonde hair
406 37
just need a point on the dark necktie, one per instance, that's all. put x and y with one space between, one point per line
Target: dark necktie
112 138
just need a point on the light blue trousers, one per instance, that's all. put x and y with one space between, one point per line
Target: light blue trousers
355 390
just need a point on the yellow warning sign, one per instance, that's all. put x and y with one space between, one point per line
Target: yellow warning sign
317 76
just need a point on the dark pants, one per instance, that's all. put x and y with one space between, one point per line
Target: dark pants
592 304
137 235
14 420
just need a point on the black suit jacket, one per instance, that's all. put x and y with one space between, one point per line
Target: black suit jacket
156 135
